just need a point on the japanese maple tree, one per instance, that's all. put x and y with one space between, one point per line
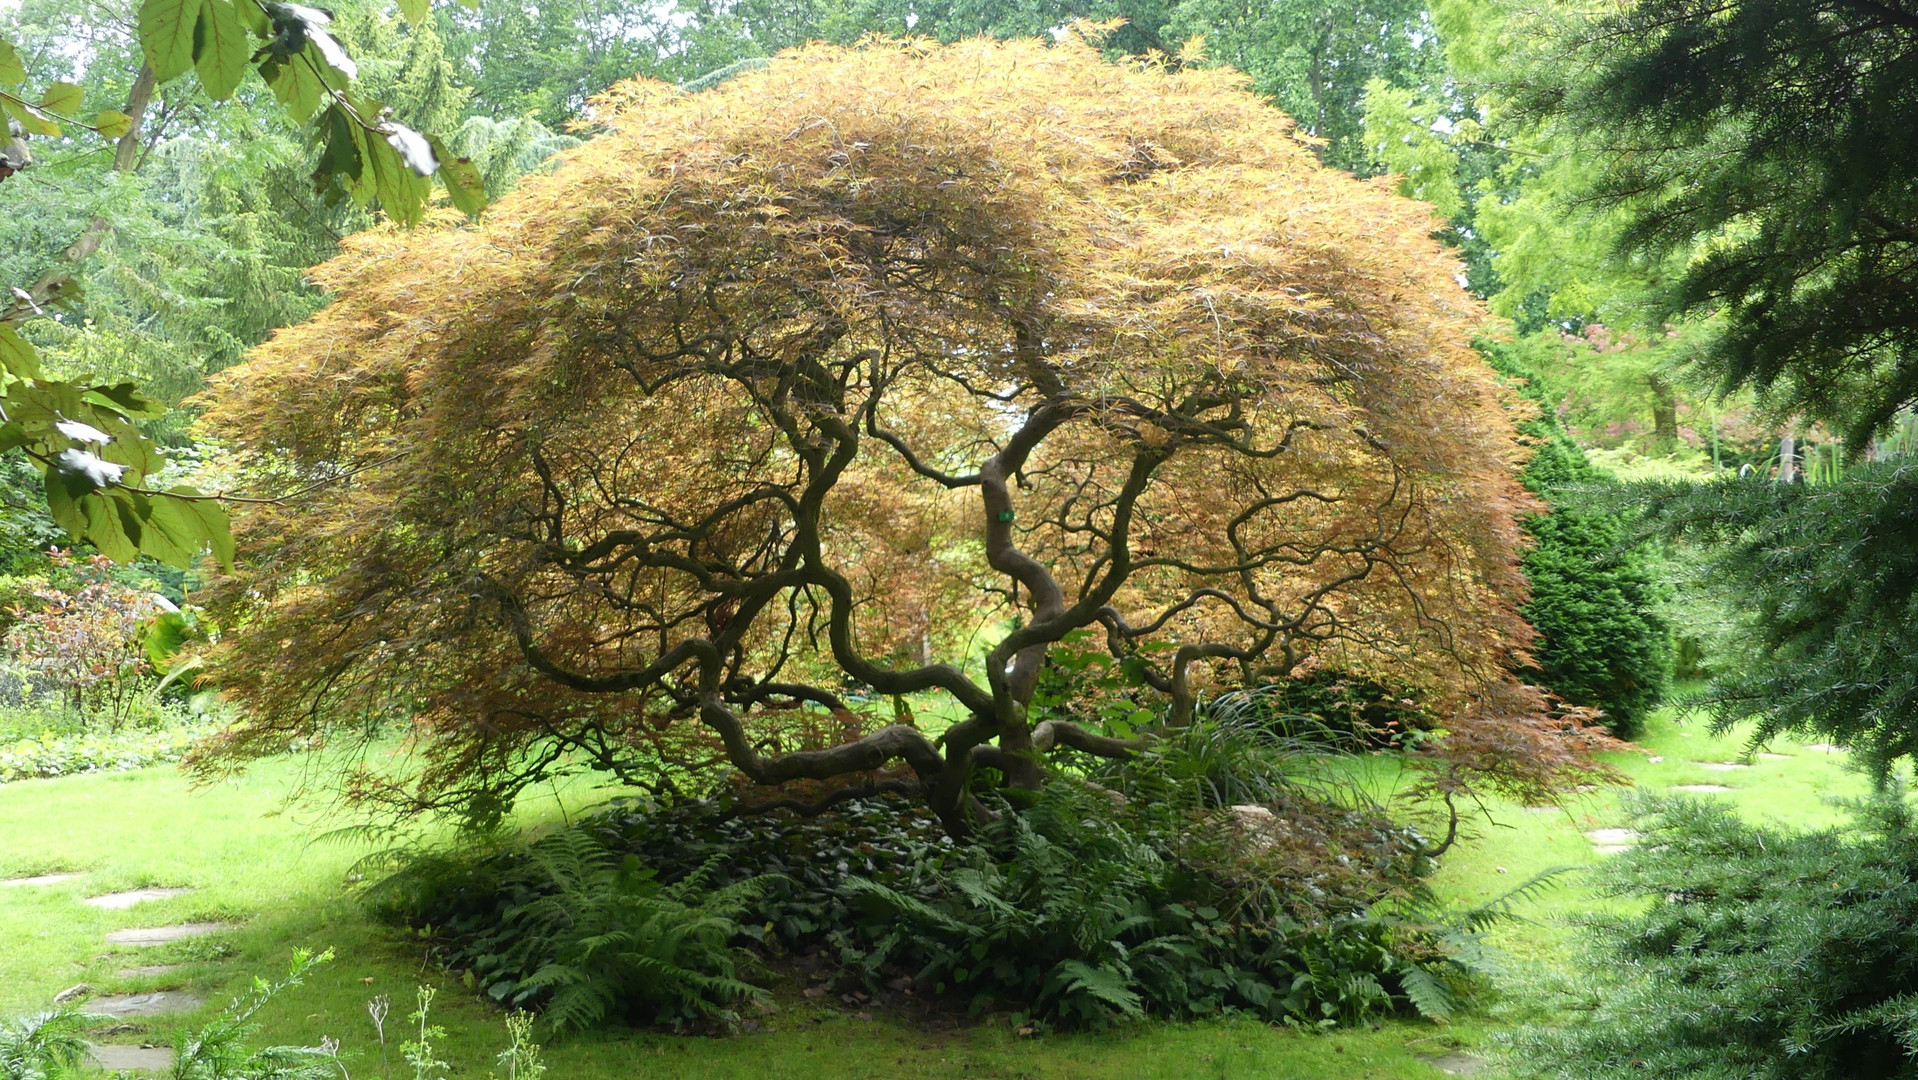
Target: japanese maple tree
774 397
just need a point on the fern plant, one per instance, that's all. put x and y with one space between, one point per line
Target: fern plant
1083 916
44 1046
599 936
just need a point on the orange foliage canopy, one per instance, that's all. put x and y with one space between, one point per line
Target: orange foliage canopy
803 385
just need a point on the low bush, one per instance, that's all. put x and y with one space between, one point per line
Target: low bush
1080 916
38 743
1344 709
82 646
1214 873
1754 953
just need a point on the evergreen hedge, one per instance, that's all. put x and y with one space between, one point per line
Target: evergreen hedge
1602 641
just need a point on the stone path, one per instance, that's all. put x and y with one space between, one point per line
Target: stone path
158 1003
1775 757
1703 789
119 901
1456 1064
42 879
1721 766
149 969
160 935
1612 841
1825 747
132 1058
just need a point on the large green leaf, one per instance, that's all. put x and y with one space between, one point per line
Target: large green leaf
18 356
173 546
295 84
13 437
113 124
416 11
166 35
340 155
12 73
401 191
63 98
30 119
192 523
162 637
125 398
462 180
224 50
110 525
254 16
61 503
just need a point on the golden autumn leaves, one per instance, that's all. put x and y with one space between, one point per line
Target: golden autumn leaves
859 370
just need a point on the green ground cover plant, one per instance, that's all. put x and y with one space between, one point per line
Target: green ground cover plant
1228 869
36 747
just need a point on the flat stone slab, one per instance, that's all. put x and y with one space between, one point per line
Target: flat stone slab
1611 841
1703 789
131 1058
160 935
40 879
158 1003
1825 747
1457 1064
1775 757
1721 766
119 901
149 969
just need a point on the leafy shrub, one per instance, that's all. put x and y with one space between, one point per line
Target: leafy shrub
1086 919
1346 709
1150 891
1756 954
1596 604
65 750
568 926
84 645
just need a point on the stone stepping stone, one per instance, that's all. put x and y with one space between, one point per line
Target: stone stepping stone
1612 841
1825 747
1703 789
1456 1064
119 901
1776 757
160 935
131 1058
1721 766
149 969
41 879
158 1003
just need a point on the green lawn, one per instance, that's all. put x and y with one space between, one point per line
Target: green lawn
253 866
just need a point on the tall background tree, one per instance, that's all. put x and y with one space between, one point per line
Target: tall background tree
104 475
1773 147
